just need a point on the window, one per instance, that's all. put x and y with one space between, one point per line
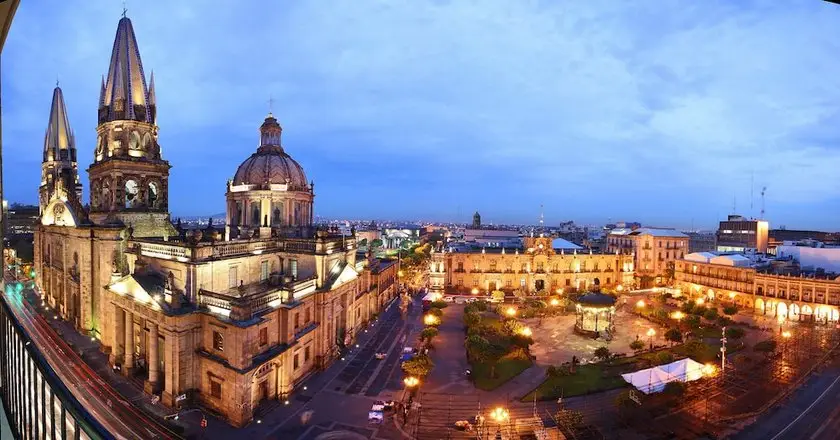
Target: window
263 336
264 270
568 282
296 362
524 268
539 266
293 268
492 265
522 282
475 282
460 265
215 389
307 316
233 277
508 283
608 280
460 282
306 354
475 266
297 320
218 341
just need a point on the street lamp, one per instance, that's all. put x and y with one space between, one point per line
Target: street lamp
700 301
411 382
511 311
430 320
500 415
475 291
525 331
651 333
640 306
555 302
678 315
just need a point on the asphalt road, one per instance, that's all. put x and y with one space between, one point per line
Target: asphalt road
811 413
118 416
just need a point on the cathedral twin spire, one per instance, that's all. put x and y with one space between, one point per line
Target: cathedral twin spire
124 94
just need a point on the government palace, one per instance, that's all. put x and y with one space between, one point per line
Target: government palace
228 316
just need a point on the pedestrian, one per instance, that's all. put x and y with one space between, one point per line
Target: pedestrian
306 416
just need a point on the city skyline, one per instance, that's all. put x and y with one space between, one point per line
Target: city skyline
629 113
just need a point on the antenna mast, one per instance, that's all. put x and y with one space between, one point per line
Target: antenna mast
763 190
752 187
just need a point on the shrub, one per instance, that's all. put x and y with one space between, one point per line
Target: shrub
471 319
602 353
673 335
439 304
637 345
498 295
730 310
675 388
735 333
436 312
698 310
695 348
687 307
692 321
711 314
664 357
428 333
419 366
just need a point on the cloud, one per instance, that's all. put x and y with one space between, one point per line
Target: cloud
596 109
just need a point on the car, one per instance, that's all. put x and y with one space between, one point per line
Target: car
448 298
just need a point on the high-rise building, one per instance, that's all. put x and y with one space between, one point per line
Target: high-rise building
739 234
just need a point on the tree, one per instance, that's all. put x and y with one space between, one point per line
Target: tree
436 312
602 353
637 345
664 357
673 335
439 304
428 334
498 295
735 333
692 321
675 388
471 319
695 349
521 342
512 326
363 242
418 366
687 307
767 346
376 243
730 310
711 314
487 353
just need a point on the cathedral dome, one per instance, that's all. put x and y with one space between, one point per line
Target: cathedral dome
270 165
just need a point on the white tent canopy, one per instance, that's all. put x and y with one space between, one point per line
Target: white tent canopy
653 380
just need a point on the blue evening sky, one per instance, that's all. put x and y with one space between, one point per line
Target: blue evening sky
650 110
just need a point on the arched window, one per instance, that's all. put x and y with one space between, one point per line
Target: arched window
277 214
255 214
152 194
105 201
132 198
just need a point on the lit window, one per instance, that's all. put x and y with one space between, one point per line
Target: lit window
306 354
296 362
233 277
263 336
293 268
264 270
215 389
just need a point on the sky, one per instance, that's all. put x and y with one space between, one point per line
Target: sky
668 112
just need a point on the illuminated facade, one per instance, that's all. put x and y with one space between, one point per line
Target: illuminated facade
539 268
784 297
228 316
654 250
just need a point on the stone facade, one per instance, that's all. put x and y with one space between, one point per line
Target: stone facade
535 269
227 320
654 251
785 297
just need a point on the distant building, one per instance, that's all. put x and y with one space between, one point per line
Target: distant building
777 236
701 242
811 255
393 238
476 224
739 234
654 250
493 237
544 266
20 220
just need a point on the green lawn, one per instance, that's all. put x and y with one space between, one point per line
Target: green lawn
506 369
587 379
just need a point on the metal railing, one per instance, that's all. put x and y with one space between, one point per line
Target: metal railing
37 403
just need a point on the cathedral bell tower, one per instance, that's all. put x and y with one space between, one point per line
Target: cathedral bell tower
128 177
59 172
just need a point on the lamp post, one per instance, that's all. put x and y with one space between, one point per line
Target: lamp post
651 333
722 349
510 311
500 415
640 305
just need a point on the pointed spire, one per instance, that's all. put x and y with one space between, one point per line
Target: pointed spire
126 81
102 93
152 99
59 135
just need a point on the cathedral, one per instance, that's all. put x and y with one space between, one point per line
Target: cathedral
228 316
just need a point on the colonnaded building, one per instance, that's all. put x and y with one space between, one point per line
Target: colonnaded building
230 315
732 278
536 269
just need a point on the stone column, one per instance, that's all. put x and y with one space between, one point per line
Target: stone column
153 362
128 364
116 334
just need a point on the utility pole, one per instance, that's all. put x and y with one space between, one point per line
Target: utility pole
722 350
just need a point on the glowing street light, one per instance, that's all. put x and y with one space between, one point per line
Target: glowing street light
526 331
559 291
700 301
619 288
499 414
786 334
641 306
511 311
651 333
431 320
554 302
678 315
709 370
411 382
399 273
731 295
475 291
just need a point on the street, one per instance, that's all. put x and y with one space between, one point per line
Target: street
118 416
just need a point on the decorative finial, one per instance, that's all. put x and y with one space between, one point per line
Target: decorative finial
270 104
56 82
124 9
